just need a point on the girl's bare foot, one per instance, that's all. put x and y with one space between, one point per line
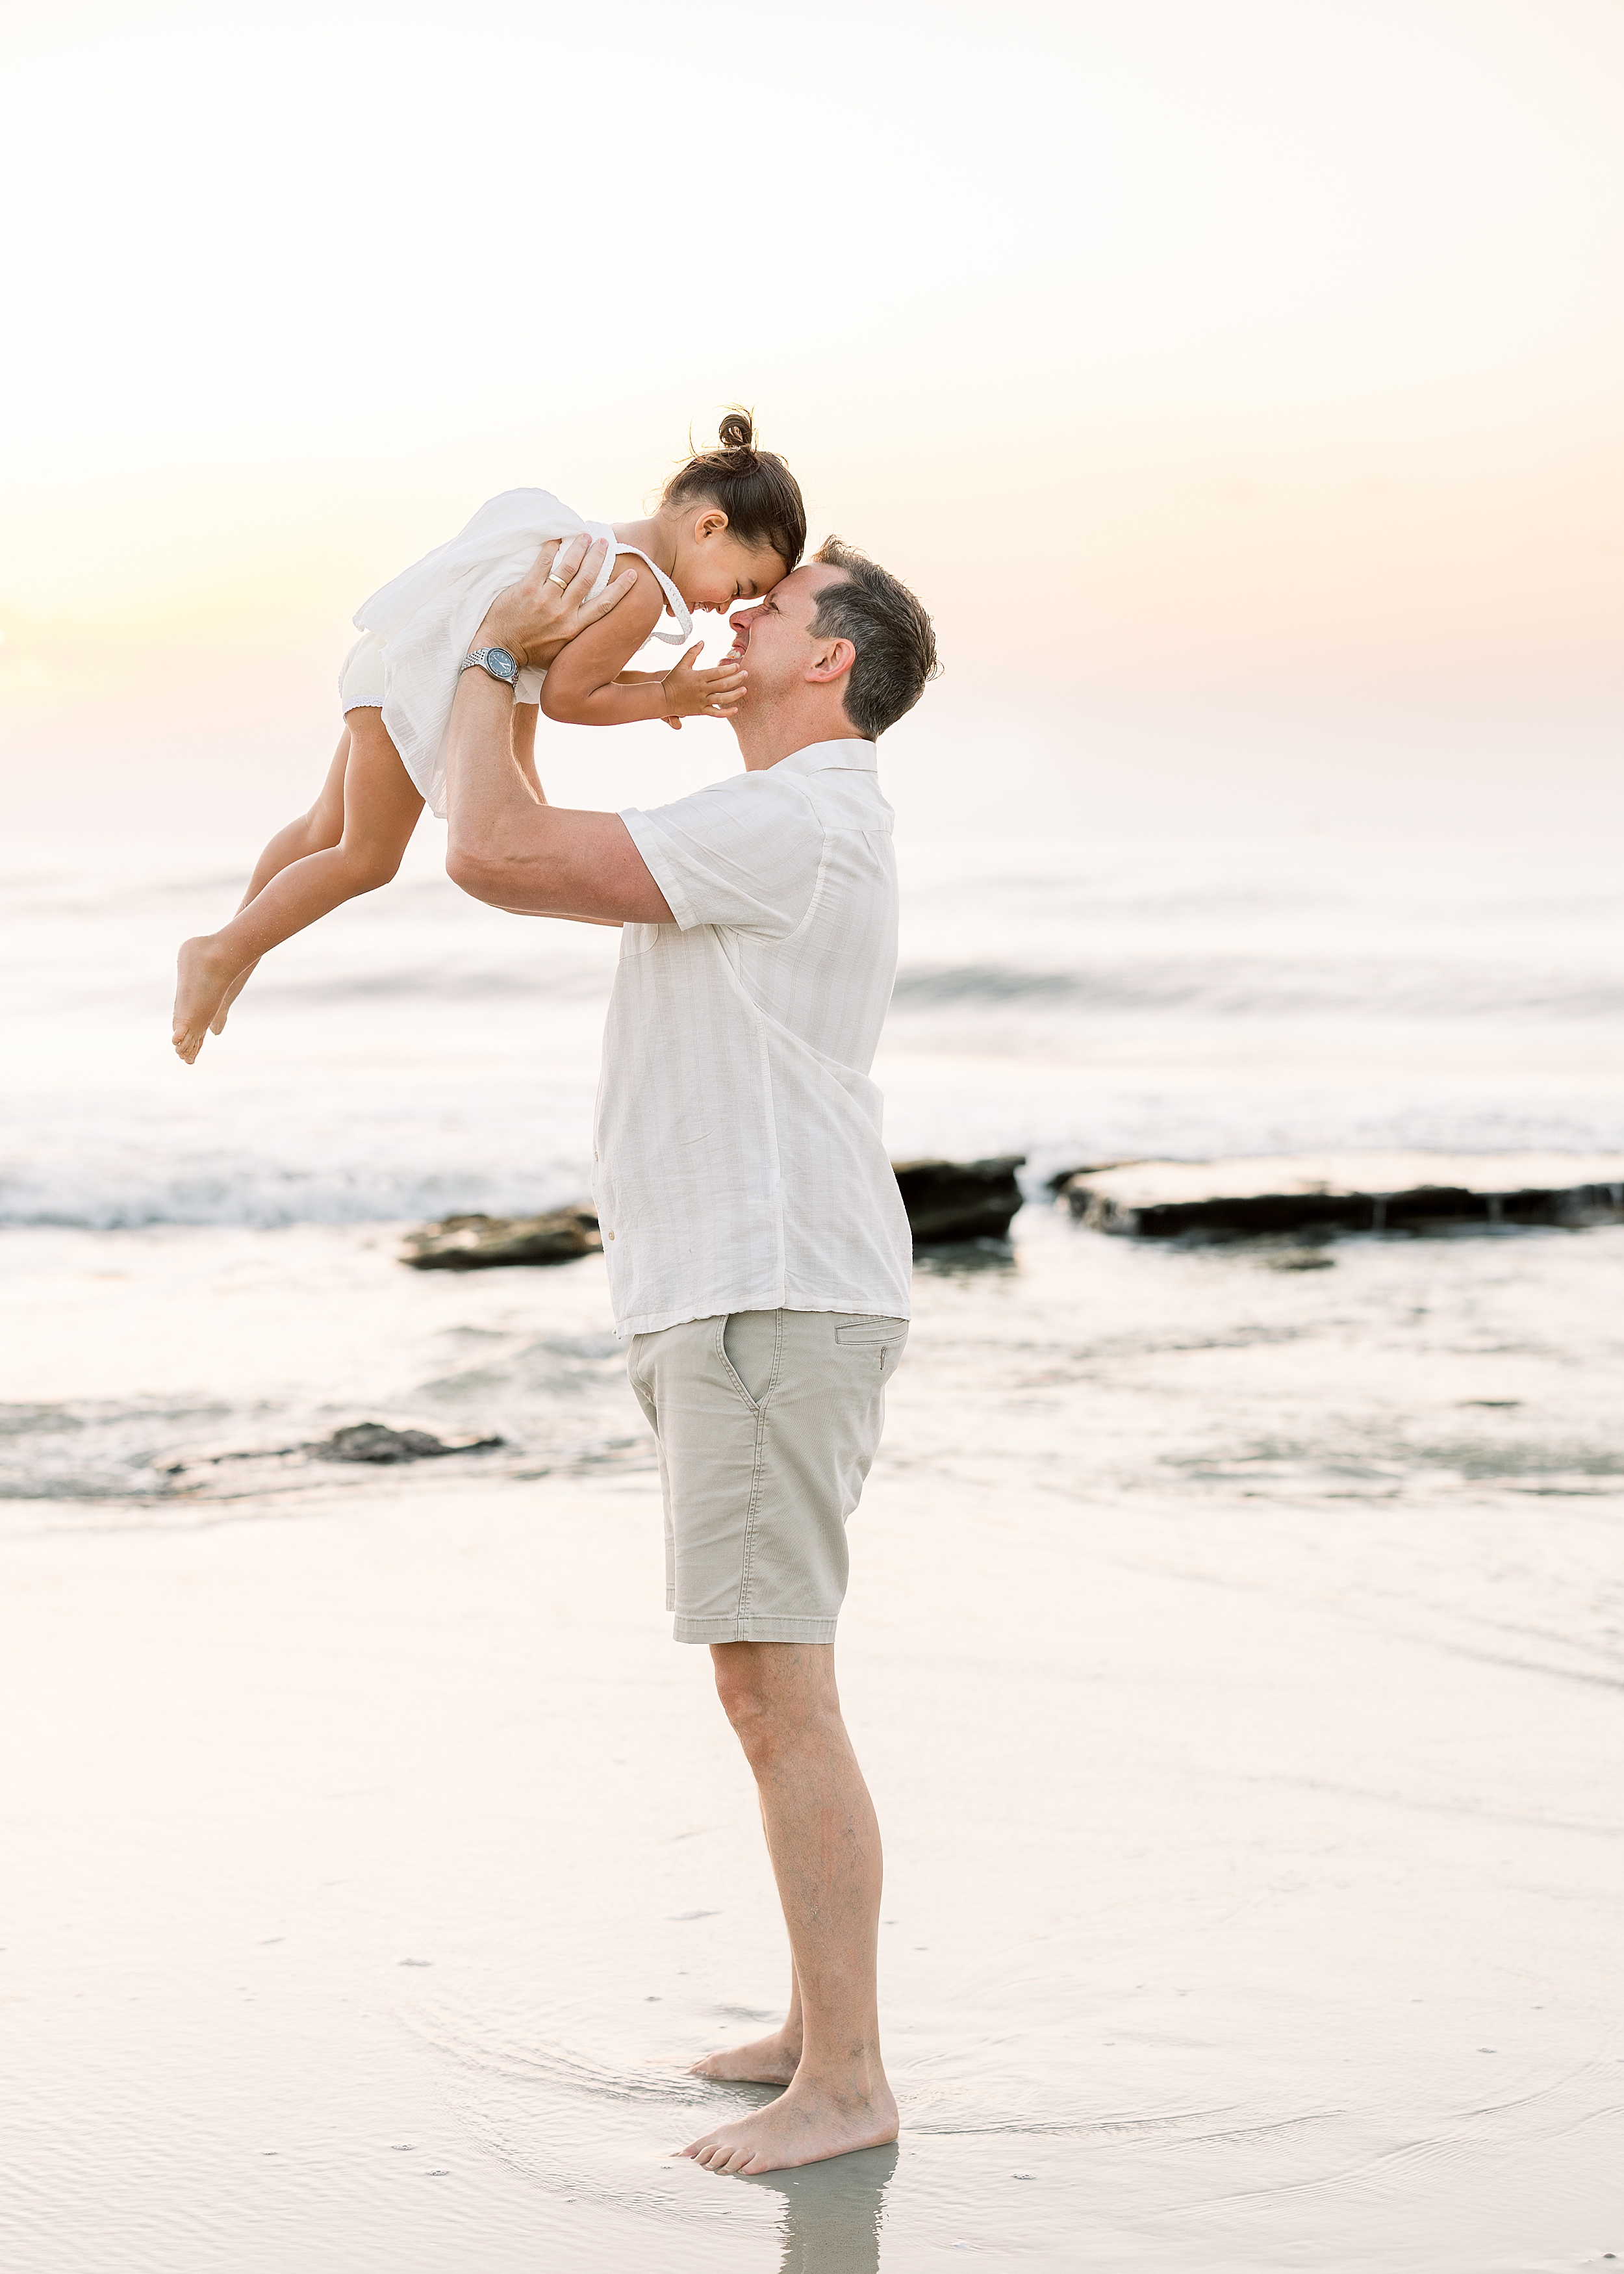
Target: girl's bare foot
204 973
769 2060
217 1024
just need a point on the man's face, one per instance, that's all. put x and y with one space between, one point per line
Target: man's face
775 637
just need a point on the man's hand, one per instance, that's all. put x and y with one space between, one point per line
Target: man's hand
714 694
534 619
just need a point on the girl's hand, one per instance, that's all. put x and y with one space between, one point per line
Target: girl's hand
714 694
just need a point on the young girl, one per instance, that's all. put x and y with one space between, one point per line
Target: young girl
728 527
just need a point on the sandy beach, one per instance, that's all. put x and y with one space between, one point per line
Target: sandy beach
1235 1635
375 1862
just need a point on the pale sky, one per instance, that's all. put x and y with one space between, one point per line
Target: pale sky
1236 379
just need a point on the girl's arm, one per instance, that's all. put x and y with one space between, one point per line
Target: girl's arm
581 688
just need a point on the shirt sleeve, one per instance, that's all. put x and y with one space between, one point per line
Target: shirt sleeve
744 853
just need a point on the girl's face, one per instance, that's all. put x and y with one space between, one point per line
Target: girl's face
713 569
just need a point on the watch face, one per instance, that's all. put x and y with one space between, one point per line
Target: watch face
504 665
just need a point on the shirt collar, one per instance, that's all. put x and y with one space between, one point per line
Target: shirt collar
848 754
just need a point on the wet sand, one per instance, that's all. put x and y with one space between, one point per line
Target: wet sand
374 1862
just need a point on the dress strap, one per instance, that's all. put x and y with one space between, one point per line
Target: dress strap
674 599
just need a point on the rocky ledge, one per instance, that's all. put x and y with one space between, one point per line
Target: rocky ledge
381 1445
1370 1191
479 1243
946 1201
377 1444
950 1200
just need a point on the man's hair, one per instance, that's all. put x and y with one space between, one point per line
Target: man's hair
894 638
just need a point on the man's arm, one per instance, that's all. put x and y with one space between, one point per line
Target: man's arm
504 847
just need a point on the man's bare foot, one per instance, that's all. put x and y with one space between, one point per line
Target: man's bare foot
217 1024
806 2124
203 975
769 2060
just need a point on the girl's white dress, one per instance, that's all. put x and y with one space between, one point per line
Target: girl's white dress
418 628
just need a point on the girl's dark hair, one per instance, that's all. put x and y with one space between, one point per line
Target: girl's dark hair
755 489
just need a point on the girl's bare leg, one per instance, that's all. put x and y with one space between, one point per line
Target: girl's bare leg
524 718
312 833
324 825
381 807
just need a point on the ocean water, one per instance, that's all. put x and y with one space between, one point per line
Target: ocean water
416 1052
205 1252
1235 1637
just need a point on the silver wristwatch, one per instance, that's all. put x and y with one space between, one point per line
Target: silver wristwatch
496 660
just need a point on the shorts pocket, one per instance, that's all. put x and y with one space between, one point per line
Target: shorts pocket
874 1330
750 1344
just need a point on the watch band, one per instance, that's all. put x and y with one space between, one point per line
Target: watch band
496 660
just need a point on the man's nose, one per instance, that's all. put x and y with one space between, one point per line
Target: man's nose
742 617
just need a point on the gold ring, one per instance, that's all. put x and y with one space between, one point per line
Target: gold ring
561 582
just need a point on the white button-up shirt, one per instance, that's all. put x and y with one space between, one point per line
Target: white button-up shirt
739 1161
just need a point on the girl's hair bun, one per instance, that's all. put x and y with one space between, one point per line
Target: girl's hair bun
755 489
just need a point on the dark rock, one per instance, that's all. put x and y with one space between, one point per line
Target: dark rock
960 1200
1164 1199
480 1243
1062 1178
375 1440
945 1200
377 1443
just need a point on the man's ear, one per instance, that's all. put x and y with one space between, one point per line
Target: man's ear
832 661
711 522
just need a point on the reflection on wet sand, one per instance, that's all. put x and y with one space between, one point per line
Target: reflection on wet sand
832 2212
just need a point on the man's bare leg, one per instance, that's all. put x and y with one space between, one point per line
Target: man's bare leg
772 2060
824 1843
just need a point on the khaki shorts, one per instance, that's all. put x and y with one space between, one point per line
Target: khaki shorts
767 1422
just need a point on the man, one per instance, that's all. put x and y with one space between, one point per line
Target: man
759 1255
